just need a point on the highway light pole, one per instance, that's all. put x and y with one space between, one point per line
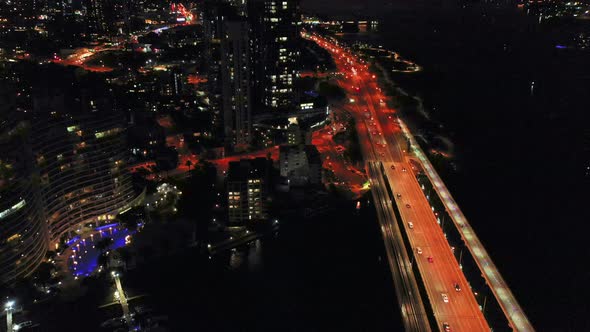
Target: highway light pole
9 307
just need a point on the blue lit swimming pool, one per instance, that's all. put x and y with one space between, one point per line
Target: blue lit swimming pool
83 255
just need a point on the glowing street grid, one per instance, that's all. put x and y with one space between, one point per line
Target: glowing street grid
510 306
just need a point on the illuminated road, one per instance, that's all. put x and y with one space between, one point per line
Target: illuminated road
346 176
383 140
407 290
82 55
509 305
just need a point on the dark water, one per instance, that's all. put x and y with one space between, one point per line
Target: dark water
315 275
324 274
521 156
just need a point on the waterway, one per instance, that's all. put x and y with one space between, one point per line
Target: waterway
322 274
515 107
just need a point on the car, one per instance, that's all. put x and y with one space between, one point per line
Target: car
408 206
430 259
404 169
419 250
399 195
410 224
457 287
446 327
392 166
445 297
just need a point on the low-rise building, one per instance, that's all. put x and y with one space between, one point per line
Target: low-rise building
248 186
300 164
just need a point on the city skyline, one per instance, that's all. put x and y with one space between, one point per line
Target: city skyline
256 156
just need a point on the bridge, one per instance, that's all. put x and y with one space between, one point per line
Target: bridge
435 290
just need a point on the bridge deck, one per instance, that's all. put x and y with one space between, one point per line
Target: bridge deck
499 287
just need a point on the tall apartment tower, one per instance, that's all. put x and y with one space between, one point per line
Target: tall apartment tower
212 25
23 232
81 155
235 82
228 56
96 20
275 50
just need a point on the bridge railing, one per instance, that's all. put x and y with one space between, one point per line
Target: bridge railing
514 313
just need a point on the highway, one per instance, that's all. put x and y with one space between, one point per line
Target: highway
383 142
414 313
514 313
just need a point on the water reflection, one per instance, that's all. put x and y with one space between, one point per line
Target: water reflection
236 259
255 256
248 257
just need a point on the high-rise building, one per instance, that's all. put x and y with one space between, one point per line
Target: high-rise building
235 82
275 52
228 57
81 154
96 20
241 6
23 232
108 16
248 185
212 24
297 135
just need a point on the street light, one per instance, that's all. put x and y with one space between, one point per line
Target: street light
9 307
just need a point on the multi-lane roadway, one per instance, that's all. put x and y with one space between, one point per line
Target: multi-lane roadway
404 208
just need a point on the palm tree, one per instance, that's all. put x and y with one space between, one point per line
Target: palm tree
43 273
104 244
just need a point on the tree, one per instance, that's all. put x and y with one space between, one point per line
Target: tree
125 254
129 219
198 198
103 244
128 222
329 90
43 273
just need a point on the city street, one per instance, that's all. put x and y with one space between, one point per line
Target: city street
345 175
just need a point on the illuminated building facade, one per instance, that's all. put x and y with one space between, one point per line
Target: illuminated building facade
96 20
248 183
235 83
228 53
81 155
301 164
23 232
275 50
